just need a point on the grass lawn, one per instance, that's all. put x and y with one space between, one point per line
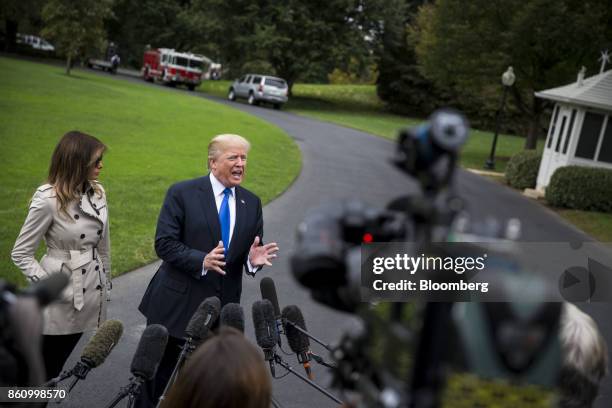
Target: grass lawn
358 107
155 137
596 224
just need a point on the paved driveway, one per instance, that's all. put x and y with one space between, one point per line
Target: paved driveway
338 163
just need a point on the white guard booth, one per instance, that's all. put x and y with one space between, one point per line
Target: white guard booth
580 131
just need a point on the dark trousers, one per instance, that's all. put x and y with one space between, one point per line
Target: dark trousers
56 349
152 390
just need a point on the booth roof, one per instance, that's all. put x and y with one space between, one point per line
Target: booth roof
595 92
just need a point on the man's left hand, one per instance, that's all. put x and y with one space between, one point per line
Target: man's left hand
260 255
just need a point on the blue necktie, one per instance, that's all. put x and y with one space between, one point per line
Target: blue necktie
224 219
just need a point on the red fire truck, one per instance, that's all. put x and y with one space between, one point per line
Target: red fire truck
172 67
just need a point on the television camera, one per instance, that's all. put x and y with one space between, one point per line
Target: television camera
401 358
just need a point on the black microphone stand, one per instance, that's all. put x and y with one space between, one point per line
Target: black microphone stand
187 349
270 356
80 371
319 360
275 403
287 367
54 381
132 390
298 328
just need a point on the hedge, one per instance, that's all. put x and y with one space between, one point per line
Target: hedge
581 188
522 169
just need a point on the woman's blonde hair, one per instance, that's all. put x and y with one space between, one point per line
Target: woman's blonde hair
71 162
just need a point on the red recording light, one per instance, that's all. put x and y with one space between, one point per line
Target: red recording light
367 238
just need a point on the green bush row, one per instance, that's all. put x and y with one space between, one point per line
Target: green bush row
522 169
581 188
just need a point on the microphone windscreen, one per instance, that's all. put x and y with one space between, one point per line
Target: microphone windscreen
265 324
298 341
49 289
205 316
268 291
232 315
100 345
150 351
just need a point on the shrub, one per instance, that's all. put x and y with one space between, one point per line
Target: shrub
581 188
522 169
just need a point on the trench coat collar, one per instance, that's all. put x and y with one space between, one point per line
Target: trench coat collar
93 205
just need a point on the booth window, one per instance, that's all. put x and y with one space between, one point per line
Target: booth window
589 135
551 133
560 134
569 131
605 152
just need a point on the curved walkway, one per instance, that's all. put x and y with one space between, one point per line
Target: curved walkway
337 163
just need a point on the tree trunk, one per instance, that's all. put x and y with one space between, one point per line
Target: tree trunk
531 142
10 43
68 63
289 88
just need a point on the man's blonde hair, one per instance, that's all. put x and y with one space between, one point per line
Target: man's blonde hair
221 143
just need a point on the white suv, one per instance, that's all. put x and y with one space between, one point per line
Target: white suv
259 88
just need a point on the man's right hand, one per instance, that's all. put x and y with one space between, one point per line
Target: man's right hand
214 261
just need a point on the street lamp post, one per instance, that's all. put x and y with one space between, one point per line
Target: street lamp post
507 80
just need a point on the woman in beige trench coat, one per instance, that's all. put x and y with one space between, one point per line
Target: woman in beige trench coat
70 213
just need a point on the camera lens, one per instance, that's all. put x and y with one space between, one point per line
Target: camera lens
449 129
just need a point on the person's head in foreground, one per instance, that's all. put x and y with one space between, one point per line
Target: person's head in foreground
227 371
585 358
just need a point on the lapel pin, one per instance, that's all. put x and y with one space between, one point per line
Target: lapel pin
242 201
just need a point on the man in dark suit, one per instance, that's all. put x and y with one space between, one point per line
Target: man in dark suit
208 230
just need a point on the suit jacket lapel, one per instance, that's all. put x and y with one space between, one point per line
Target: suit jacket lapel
239 224
207 200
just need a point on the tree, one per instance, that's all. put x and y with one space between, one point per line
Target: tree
139 23
293 39
13 12
76 27
467 45
223 29
302 37
400 82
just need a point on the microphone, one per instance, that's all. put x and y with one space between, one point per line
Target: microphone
204 317
268 291
149 352
265 330
47 290
232 315
197 331
94 353
145 362
266 335
298 341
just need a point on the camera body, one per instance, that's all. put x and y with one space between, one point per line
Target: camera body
326 239
429 152
328 235
327 260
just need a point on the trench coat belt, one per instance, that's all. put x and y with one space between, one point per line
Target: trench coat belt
74 260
